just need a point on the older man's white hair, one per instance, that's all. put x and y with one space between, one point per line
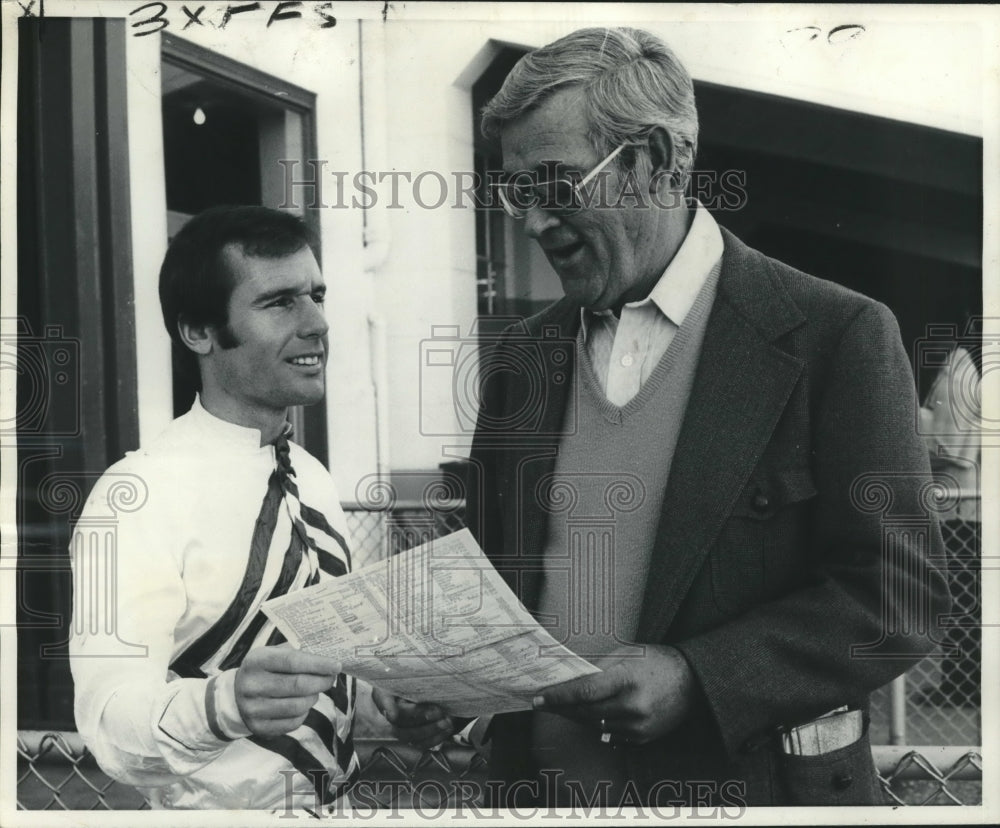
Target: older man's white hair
631 83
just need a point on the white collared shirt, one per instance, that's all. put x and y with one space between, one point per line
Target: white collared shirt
625 351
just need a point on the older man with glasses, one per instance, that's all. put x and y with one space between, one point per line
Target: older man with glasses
719 418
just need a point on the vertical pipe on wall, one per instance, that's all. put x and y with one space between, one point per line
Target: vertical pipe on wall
897 711
371 49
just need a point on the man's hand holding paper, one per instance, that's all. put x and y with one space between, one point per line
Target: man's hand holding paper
276 687
635 699
424 725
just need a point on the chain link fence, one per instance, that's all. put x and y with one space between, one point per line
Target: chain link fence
56 772
938 701
925 727
930 775
377 534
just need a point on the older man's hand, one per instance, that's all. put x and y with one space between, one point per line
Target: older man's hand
637 698
424 725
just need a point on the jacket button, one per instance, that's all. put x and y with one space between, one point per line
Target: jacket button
761 501
842 781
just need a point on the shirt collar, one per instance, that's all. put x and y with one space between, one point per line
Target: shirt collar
678 287
222 431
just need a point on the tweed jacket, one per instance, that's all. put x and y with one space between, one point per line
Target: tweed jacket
778 569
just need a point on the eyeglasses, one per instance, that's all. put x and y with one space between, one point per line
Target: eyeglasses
560 195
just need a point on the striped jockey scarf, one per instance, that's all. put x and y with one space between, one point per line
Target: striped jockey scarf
311 550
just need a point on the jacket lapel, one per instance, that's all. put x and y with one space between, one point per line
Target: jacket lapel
741 387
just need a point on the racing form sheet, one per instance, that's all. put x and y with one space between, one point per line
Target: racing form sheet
437 624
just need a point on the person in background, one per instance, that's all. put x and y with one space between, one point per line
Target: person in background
949 423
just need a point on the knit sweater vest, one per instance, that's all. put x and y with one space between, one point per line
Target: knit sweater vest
604 500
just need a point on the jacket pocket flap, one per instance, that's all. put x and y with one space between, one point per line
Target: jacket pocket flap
768 491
